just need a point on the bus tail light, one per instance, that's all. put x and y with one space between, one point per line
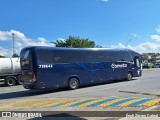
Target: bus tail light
33 77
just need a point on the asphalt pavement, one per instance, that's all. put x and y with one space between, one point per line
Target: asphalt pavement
142 93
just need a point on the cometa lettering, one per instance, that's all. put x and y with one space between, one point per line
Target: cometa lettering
118 65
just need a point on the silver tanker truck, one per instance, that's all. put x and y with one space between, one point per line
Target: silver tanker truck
10 71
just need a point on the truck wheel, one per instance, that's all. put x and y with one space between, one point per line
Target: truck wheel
129 76
73 83
10 81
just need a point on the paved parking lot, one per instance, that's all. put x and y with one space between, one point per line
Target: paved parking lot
137 95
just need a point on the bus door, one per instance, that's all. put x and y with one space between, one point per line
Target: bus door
137 67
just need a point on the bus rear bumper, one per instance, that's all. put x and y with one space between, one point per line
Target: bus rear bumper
34 85
28 85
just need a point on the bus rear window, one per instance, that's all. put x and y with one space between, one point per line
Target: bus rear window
26 55
25 58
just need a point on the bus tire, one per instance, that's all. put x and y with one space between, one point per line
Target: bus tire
129 76
10 81
73 83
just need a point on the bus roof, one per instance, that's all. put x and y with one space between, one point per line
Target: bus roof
85 49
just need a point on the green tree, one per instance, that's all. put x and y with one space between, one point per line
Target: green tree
1 56
75 42
15 55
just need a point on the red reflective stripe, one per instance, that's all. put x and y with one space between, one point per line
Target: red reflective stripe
33 76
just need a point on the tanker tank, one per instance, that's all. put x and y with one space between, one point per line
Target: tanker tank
10 70
9 66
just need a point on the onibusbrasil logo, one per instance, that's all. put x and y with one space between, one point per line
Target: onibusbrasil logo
118 65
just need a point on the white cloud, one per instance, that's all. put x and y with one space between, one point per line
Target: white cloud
147 47
4 52
61 39
141 48
119 45
5 36
104 0
21 41
158 29
41 39
155 37
133 34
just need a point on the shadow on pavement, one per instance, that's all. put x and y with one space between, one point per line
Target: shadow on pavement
26 93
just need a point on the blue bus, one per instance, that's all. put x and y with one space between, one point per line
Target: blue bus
54 67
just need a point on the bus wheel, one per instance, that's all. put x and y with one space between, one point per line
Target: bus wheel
129 76
73 83
10 81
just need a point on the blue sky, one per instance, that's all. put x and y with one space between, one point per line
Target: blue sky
110 23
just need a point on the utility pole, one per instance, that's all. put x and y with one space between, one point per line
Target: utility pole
13 42
128 42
